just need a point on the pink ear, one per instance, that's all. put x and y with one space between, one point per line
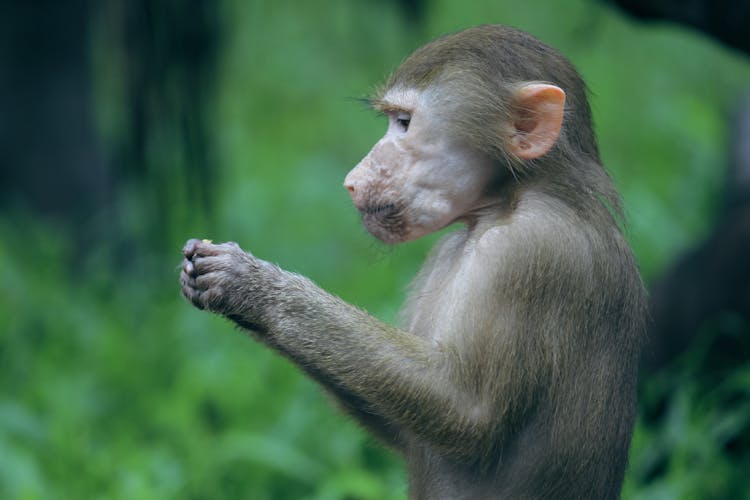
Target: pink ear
538 120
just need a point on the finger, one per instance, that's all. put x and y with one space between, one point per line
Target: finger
204 294
184 277
188 267
207 249
193 295
203 265
189 249
212 299
187 280
204 282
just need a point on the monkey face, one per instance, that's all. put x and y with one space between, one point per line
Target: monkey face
417 178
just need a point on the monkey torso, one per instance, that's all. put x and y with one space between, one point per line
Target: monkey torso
582 452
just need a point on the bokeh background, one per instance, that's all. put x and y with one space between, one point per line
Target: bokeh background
128 126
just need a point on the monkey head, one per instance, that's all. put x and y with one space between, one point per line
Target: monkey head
453 132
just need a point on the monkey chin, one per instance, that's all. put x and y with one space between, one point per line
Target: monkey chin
386 223
385 234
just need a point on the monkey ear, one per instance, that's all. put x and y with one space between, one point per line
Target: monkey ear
537 120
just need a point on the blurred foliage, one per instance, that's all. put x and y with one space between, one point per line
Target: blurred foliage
112 387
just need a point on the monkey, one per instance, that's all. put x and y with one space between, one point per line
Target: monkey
513 372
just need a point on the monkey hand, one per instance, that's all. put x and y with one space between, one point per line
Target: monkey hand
224 279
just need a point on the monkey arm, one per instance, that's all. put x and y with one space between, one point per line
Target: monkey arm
384 374
355 406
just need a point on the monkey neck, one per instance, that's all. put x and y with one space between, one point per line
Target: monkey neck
494 207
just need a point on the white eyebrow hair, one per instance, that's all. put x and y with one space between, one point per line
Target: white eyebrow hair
398 98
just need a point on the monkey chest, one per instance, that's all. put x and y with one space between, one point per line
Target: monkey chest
451 301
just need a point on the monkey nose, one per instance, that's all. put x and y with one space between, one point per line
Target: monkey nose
354 183
350 183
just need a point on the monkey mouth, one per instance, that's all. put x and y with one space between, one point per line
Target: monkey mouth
385 222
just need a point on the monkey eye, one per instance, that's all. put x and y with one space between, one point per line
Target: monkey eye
403 120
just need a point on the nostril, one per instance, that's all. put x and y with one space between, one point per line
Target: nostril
350 188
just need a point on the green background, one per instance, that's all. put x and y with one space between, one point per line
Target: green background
111 386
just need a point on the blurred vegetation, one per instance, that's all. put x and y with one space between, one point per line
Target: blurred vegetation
112 387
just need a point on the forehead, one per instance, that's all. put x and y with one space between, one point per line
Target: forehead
400 98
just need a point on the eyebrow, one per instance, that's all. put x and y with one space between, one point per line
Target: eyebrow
386 107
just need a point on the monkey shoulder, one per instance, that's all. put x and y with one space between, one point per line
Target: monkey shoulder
543 237
534 227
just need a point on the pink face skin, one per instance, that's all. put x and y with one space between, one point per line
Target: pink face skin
416 180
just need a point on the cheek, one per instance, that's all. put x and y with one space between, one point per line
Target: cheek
406 189
447 188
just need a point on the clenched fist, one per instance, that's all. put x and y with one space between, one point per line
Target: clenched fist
225 279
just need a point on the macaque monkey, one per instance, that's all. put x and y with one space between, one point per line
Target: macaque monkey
513 375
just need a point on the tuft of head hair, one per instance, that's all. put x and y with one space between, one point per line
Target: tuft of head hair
472 75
